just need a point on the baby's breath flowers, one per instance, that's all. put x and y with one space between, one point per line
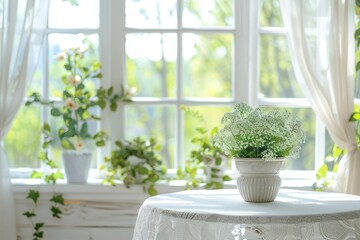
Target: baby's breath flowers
260 133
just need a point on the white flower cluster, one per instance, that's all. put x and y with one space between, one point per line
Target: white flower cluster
260 133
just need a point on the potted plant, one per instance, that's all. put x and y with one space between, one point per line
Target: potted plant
259 140
76 100
135 162
205 157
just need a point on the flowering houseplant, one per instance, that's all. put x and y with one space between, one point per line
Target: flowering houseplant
78 97
259 140
260 133
135 162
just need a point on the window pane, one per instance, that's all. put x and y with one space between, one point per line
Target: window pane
151 64
207 65
64 15
59 42
22 143
153 121
270 14
201 117
277 78
201 13
306 160
151 13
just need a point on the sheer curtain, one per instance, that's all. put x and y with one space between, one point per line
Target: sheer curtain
22 27
325 71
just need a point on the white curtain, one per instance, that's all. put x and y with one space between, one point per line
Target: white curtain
322 49
22 27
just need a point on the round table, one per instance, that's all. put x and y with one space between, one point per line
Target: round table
223 215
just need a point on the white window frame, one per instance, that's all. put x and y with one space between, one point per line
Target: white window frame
112 32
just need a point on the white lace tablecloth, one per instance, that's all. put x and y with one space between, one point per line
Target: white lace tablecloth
223 215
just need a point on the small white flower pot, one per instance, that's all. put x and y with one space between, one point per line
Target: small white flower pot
259 179
76 165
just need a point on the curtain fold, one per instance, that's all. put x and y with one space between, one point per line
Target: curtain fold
324 68
22 28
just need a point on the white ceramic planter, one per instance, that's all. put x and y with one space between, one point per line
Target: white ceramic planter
76 166
259 179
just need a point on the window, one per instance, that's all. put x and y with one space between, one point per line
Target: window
207 55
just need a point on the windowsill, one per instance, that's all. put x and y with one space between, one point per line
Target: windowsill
95 186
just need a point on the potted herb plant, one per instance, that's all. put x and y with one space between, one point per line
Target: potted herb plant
135 162
259 140
77 98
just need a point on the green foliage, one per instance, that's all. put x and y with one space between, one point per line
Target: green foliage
34 196
135 162
77 101
258 133
205 157
325 175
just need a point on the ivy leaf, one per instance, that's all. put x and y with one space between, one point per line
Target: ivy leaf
33 195
58 199
321 173
56 212
29 214
38 226
36 174
38 234
110 91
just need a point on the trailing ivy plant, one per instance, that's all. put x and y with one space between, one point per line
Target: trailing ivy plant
135 162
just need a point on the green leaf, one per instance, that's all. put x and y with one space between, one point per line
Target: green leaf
357 2
68 67
355 116
84 130
100 143
110 91
357 33
38 226
113 106
36 174
357 66
226 178
152 191
46 127
70 133
55 112
58 199
321 173
39 234
29 214
66 144
56 212
142 170
218 161
33 195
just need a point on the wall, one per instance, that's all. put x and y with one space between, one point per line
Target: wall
92 211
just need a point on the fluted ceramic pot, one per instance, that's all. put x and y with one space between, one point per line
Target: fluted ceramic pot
76 165
259 179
